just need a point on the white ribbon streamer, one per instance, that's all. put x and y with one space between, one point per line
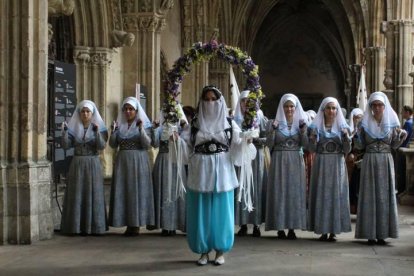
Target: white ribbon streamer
244 159
174 153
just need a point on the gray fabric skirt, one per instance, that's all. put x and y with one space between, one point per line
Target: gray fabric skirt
286 192
329 195
132 199
84 203
377 205
169 212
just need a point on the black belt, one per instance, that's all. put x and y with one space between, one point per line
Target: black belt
211 148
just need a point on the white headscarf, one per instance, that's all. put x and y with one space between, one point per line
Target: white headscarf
212 118
338 124
354 112
389 118
75 125
124 130
297 116
311 114
238 113
181 114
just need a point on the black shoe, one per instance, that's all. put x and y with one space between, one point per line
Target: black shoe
172 233
281 235
243 231
381 242
131 231
324 237
256 231
165 232
371 242
291 235
332 238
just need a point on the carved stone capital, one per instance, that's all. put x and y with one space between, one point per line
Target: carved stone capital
101 56
81 54
147 23
354 68
94 56
59 7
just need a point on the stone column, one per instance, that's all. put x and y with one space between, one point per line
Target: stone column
404 55
25 174
387 28
352 83
398 66
412 73
92 83
145 20
375 58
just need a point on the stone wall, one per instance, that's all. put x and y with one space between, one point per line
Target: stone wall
25 175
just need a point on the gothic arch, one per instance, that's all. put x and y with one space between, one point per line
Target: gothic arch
344 37
92 23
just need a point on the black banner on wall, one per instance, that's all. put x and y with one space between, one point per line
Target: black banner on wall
64 79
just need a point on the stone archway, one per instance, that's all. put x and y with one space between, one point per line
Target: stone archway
305 47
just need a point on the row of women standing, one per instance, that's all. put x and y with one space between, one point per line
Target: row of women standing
330 138
208 149
132 201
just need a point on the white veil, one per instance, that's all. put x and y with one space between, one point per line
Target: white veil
339 123
75 125
212 119
298 115
124 130
238 114
389 118
354 112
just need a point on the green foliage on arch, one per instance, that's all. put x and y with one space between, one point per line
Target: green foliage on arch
204 52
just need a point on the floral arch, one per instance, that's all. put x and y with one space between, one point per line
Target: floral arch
204 52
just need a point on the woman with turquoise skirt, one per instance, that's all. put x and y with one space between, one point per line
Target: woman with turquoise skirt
211 178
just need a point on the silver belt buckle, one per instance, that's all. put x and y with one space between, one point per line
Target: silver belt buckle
212 148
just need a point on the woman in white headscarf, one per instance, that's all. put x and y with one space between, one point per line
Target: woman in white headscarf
84 204
328 197
132 199
169 174
286 188
257 216
377 206
211 178
354 159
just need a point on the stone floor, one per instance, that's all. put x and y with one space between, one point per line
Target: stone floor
152 254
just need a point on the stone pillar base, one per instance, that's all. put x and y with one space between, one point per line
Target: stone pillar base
25 213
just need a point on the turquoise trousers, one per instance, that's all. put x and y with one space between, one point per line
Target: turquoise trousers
210 221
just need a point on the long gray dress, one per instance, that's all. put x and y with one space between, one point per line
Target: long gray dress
377 205
286 188
132 199
329 194
84 203
169 212
257 216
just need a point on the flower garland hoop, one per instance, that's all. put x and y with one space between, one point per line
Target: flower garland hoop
204 52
